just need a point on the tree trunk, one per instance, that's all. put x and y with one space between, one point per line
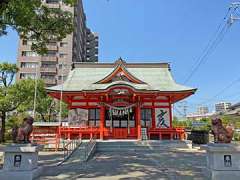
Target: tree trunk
43 118
2 135
49 114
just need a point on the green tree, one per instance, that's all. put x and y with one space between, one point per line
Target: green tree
46 106
36 22
7 72
11 95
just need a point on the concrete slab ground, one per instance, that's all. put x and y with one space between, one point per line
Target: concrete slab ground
179 165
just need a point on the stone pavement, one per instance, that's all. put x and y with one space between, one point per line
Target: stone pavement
179 165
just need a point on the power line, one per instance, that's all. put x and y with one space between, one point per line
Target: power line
210 49
212 45
221 91
178 111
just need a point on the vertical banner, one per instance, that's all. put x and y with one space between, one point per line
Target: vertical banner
78 117
162 117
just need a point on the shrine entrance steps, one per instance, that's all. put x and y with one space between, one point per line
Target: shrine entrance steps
78 154
149 145
87 149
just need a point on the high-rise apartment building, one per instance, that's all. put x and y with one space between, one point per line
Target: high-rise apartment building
222 106
79 46
92 43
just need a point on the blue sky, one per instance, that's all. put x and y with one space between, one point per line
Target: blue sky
164 31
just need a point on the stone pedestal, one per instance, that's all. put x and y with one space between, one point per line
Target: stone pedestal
20 162
223 161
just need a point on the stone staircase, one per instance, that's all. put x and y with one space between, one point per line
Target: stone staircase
83 152
86 150
78 154
149 145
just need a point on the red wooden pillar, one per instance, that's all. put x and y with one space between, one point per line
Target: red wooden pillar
138 121
153 118
170 112
102 117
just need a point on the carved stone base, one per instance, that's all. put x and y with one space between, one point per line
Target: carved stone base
223 161
20 162
20 175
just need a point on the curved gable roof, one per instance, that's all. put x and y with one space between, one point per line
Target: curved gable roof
156 77
120 68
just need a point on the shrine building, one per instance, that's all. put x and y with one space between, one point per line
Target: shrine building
120 101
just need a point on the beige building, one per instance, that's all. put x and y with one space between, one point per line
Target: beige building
202 110
79 46
222 106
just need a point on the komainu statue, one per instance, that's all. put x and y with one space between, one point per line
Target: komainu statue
221 134
22 134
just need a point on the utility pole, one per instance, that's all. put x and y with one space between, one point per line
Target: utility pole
64 65
35 90
183 105
61 94
234 16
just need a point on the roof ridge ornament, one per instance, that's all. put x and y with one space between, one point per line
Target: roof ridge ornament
120 73
120 62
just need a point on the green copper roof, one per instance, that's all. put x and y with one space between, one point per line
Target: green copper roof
155 78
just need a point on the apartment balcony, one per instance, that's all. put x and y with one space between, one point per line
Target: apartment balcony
53 5
49 58
92 45
50 82
29 70
48 70
26 47
29 58
52 47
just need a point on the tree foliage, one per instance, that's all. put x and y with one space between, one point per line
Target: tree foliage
47 108
231 119
181 123
7 72
11 95
18 99
36 22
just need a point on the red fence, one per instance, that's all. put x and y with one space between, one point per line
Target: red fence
52 135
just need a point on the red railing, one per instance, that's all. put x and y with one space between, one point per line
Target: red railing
80 132
52 135
46 136
167 133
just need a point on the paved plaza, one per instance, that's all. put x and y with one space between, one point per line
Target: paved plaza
178 165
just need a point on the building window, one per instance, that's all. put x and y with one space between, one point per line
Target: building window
29 53
60 78
63 55
63 44
52 1
27 75
28 65
49 64
94 117
146 117
52 43
51 53
48 77
24 42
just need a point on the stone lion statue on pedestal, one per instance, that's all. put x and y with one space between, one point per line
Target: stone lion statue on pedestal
221 134
21 134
